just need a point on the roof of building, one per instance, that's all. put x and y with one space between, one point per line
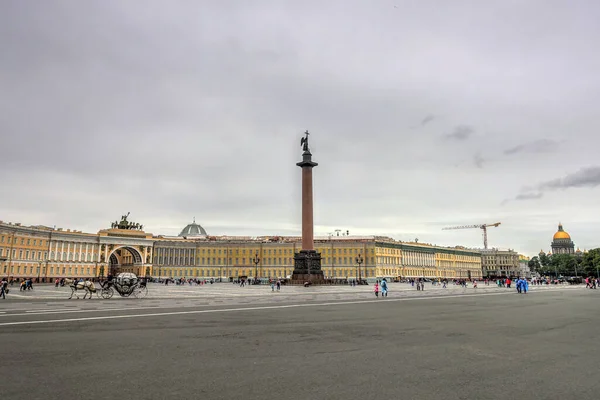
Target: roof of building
192 230
561 234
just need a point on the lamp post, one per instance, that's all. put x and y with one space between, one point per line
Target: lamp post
256 260
359 260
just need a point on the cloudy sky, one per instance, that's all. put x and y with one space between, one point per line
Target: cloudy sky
423 114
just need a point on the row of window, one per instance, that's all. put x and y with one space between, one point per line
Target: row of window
23 254
265 273
251 252
18 270
164 260
15 240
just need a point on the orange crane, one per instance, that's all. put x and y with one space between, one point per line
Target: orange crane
480 226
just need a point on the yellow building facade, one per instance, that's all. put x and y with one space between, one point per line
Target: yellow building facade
273 257
45 254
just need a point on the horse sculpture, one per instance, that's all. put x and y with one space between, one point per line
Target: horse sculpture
88 286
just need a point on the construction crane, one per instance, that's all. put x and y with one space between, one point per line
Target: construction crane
480 226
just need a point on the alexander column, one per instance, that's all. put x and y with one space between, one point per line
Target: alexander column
307 262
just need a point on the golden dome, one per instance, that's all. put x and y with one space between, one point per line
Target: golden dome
561 234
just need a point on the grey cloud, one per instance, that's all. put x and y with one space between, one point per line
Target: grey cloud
461 133
171 113
529 196
585 177
524 197
537 146
427 119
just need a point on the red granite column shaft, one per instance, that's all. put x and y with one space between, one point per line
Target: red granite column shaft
307 209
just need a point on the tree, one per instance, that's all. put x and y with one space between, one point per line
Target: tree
591 262
544 260
534 264
564 264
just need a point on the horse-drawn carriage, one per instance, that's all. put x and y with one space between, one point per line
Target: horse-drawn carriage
126 284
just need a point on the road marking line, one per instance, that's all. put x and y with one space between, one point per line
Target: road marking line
224 310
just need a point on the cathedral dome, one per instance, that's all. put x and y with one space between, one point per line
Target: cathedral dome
192 230
561 234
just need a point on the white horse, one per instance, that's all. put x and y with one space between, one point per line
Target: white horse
88 286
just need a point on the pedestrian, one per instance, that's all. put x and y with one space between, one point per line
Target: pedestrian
272 286
384 288
3 288
376 289
278 285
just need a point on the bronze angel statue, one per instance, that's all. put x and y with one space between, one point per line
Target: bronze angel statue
304 141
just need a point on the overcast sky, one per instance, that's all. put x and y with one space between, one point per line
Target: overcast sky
423 114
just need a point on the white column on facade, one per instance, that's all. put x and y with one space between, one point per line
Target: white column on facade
87 247
62 250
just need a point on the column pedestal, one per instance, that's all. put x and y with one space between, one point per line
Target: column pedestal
307 268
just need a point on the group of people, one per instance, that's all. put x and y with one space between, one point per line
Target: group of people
522 285
383 286
591 282
27 284
275 285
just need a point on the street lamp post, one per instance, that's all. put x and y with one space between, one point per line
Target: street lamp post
256 260
359 260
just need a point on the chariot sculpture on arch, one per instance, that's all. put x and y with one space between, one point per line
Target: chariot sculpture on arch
124 224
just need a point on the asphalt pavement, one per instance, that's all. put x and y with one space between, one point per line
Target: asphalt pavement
462 345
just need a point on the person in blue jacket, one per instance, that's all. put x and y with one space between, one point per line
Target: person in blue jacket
384 288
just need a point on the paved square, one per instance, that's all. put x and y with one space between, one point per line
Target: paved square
330 343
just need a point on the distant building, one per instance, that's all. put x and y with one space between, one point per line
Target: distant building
500 263
562 243
48 253
524 269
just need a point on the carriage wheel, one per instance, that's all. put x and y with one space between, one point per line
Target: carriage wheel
140 292
106 293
